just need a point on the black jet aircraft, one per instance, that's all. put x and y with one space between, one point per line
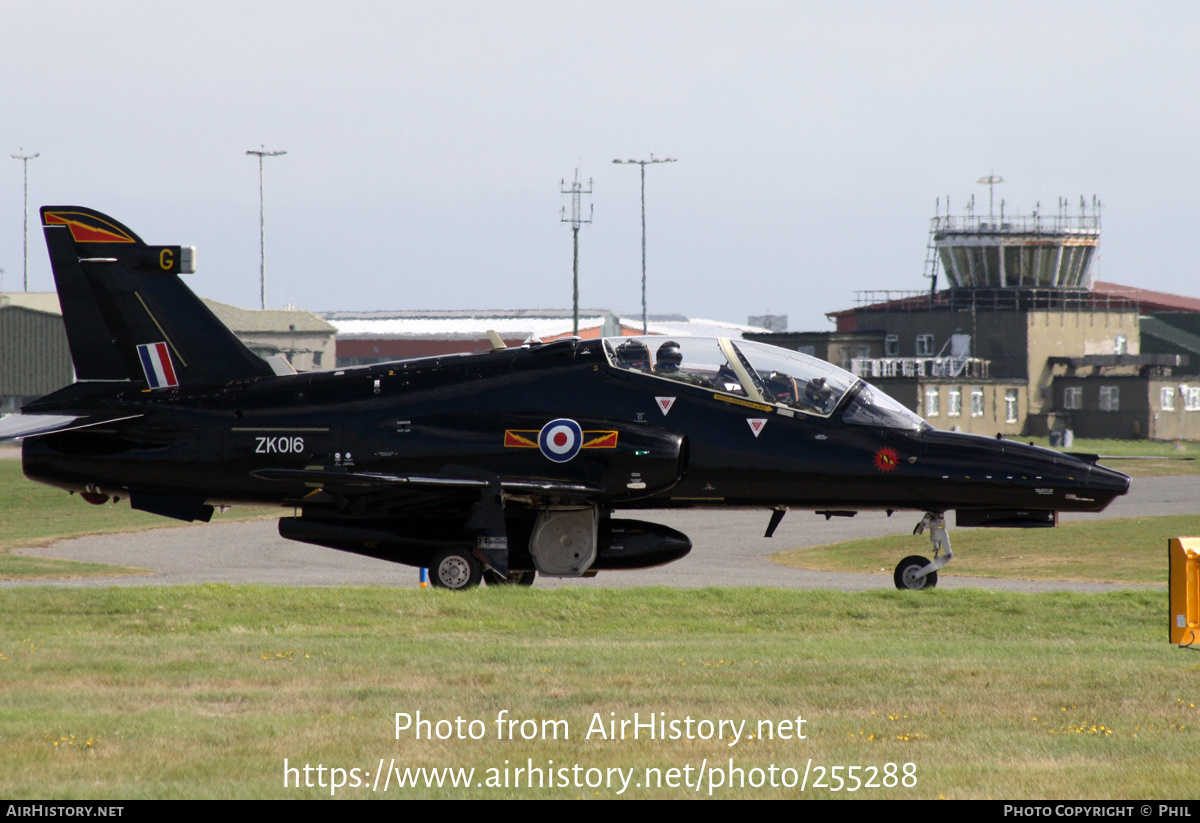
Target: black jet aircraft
497 465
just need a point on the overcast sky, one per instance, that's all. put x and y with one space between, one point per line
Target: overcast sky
426 142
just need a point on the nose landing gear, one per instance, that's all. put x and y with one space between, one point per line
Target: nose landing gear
915 572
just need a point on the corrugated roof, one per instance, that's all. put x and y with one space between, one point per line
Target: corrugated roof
543 324
459 314
46 301
1149 300
250 321
237 319
475 325
1152 327
695 327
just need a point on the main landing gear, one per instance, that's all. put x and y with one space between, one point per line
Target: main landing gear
915 572
455 569
460 569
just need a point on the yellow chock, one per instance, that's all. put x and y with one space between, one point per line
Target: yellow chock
1184 575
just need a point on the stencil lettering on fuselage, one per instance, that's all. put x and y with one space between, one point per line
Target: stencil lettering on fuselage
279 445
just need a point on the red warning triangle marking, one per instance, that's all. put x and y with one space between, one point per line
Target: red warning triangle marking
756 424
665 404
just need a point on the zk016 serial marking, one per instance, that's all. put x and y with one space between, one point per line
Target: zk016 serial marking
279 445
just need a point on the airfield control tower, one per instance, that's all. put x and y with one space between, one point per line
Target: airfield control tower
1039 251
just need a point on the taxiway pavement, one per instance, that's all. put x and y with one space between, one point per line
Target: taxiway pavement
729 550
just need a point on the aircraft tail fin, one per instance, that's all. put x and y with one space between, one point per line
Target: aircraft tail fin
128 315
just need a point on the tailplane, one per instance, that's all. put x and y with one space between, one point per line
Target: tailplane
128 315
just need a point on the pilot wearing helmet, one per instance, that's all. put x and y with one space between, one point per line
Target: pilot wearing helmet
667 364
782 387
818 394
785 389
633 354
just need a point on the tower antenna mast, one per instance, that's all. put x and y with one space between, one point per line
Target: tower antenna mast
25 158
576 220
260 153
990 181
643 164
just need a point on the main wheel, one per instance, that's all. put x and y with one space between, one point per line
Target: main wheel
455 569
906 574
522 578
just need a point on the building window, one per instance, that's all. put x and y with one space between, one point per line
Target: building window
924 345
1010 405
1110 398
844 357
1120 344
977 401
1166 398
1073 397
811 351
891 345
954 407
931 401
1193 398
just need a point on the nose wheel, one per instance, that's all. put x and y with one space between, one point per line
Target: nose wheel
915 572
909 574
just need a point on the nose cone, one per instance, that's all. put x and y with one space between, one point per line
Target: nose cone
989 473
1109 480
1080 479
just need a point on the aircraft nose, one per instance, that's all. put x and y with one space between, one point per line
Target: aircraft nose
1102 477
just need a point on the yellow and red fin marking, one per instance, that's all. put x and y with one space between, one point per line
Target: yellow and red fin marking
517 439
599 440
86 228
886 459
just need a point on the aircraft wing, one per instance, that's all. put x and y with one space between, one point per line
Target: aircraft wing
30 425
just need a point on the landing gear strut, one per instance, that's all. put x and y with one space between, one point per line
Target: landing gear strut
515 578
915 572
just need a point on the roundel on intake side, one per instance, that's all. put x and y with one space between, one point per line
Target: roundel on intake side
559 440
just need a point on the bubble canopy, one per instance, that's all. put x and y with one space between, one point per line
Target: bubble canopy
763 374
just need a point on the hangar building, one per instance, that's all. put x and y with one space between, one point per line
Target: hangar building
35 359
366 337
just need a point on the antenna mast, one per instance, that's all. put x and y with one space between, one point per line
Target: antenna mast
576 220
260 153
25 158
643 164
990 181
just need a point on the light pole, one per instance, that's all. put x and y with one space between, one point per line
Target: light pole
25 158
643 164
576 220
261 152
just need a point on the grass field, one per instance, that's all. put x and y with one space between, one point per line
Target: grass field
38 515
1130 550
203 691
1165 457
